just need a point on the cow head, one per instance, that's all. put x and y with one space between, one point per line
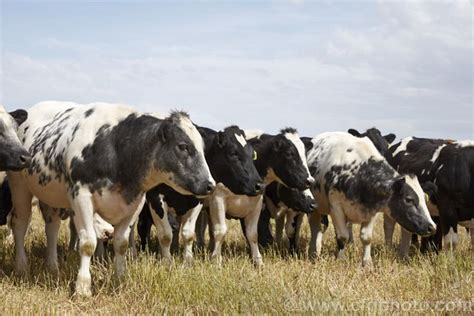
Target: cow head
288 160
381 142
181 156
298 201
230 160
407 206
12 154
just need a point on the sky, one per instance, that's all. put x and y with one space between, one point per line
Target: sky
402 66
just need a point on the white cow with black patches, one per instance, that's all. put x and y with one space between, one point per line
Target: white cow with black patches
353 183
102 158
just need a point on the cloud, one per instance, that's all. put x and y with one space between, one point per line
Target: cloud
406 69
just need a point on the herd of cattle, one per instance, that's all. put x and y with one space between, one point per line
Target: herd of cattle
109 167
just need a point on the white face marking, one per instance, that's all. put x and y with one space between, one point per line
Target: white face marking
436 153
190 130
403 145
295 139
413 182
240 139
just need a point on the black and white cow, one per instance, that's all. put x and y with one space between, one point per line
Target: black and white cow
230 160
102 158
288 207
450 166
279 158
382 143
13 156
353 183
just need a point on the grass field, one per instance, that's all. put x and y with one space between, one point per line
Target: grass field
436 284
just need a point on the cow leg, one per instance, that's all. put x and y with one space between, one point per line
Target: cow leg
351 234
144 226
164 231
366 232
219 226
251 230
201 224
188 228
21 215
99 252
84 223
405 241
388 229
315 244
342 232
279 226
73 238
293 226
265 238
131 241
52 224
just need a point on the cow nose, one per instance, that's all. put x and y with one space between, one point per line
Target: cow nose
432 229
309 181
25 160
314 205
259 187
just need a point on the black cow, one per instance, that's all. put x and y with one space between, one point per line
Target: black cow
448 164
278 158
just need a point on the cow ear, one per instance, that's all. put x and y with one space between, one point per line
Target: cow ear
390 138
430 188
354 132
220 139
164 132
397 186
19 115
277 143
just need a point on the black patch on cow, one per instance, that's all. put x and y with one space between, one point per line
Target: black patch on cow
369 185
180 203
120 156
88 113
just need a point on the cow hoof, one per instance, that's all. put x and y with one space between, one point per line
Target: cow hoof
53 268
258 262
21 267
83 286
188 260
367 263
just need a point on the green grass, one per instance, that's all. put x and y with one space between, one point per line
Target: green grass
285 284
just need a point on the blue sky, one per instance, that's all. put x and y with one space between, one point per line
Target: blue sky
403 66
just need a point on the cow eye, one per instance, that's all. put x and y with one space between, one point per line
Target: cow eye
183 147
409 200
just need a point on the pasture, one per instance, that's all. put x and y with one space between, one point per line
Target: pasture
436 283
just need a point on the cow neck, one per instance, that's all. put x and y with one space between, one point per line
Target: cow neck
140 153
262 163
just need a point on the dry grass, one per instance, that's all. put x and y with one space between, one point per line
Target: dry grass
285 284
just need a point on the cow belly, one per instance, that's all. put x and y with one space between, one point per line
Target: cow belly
354 212
112 207
241 205
53 194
